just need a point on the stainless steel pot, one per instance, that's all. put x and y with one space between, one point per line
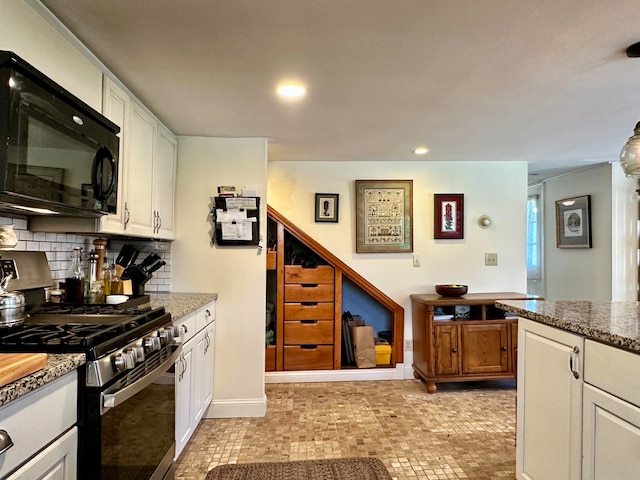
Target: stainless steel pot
12 305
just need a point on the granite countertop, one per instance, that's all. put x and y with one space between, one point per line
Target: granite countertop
181 304
57 366
612 323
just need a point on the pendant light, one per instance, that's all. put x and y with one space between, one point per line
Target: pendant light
630 154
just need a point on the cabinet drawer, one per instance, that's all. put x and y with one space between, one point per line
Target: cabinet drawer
297 274
308 292
205 315
312 311
187 326
308 357
308 331
609 369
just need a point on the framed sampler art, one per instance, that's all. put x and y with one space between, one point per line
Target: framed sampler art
573 222
326 207
448 215
384 216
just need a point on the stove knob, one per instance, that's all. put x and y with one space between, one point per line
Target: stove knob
166 335
139 353
124 361
152 344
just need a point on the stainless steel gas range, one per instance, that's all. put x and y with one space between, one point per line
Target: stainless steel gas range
126 397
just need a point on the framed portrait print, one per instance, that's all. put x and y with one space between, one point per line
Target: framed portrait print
326 207
573 222
384 216
448 215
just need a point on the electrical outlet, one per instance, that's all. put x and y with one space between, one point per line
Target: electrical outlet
491 259
408 345
416 260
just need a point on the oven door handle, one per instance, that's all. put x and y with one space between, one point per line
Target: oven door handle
111 400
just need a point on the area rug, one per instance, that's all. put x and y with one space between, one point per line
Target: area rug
328 469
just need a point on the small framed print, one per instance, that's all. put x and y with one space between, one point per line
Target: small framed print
327 207
448 215
573 222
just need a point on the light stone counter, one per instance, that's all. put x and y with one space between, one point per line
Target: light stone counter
181 304
58 365
612 323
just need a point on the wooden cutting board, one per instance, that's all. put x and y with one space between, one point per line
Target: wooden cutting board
17 365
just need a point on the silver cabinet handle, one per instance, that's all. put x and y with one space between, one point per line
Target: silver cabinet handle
159 223
5 441
574 354
127 215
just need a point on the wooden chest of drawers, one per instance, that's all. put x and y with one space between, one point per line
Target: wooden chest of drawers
309 317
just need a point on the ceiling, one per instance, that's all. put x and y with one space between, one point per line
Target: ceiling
541 81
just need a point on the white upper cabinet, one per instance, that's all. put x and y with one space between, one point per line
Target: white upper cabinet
142 140
164 183
116 105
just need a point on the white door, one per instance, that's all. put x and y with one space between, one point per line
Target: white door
611 448
549 403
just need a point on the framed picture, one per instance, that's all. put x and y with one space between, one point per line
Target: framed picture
573 222
327 207
448 215
384 216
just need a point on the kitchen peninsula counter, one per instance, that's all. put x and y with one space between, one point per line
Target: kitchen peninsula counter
180 304
613 323
58 365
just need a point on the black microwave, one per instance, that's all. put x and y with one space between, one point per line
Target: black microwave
57 154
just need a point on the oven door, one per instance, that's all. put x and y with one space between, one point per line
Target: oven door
129 432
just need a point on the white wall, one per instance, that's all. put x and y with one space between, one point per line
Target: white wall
579 273
608 270
25 32
237 274
498 189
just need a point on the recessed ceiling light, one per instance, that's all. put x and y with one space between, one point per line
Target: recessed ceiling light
291 90
421 150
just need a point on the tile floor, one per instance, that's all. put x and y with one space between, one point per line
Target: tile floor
464 431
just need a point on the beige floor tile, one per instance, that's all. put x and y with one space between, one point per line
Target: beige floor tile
464 431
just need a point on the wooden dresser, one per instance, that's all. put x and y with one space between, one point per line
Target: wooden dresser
457 339
309 322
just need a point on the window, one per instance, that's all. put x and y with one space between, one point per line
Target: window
534 241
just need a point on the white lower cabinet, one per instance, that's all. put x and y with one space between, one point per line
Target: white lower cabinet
56 462
549 403
42 428
611 414
194 372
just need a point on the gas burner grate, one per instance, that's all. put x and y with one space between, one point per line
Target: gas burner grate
82 336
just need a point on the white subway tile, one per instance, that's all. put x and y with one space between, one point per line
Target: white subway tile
39 236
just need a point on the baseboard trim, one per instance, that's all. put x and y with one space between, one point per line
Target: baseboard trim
237 408
350 375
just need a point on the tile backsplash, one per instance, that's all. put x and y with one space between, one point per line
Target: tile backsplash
58 247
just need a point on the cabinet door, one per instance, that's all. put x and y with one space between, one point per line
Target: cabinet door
484 348
611 436
164 175
115 107
549 403
184 386
446 349
56 462
207 371
199 369
140 186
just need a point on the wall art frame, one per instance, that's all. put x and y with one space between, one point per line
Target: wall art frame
384 216
327 207
448 215
573 222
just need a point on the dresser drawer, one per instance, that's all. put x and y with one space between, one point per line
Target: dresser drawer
308 331
308 357
311 311
308 292
319 274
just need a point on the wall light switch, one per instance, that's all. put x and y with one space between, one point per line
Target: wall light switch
416 260
491 259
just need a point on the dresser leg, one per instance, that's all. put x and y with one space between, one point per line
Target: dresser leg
431 387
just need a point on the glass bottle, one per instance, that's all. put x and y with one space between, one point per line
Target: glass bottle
95 294
75 278
106 277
